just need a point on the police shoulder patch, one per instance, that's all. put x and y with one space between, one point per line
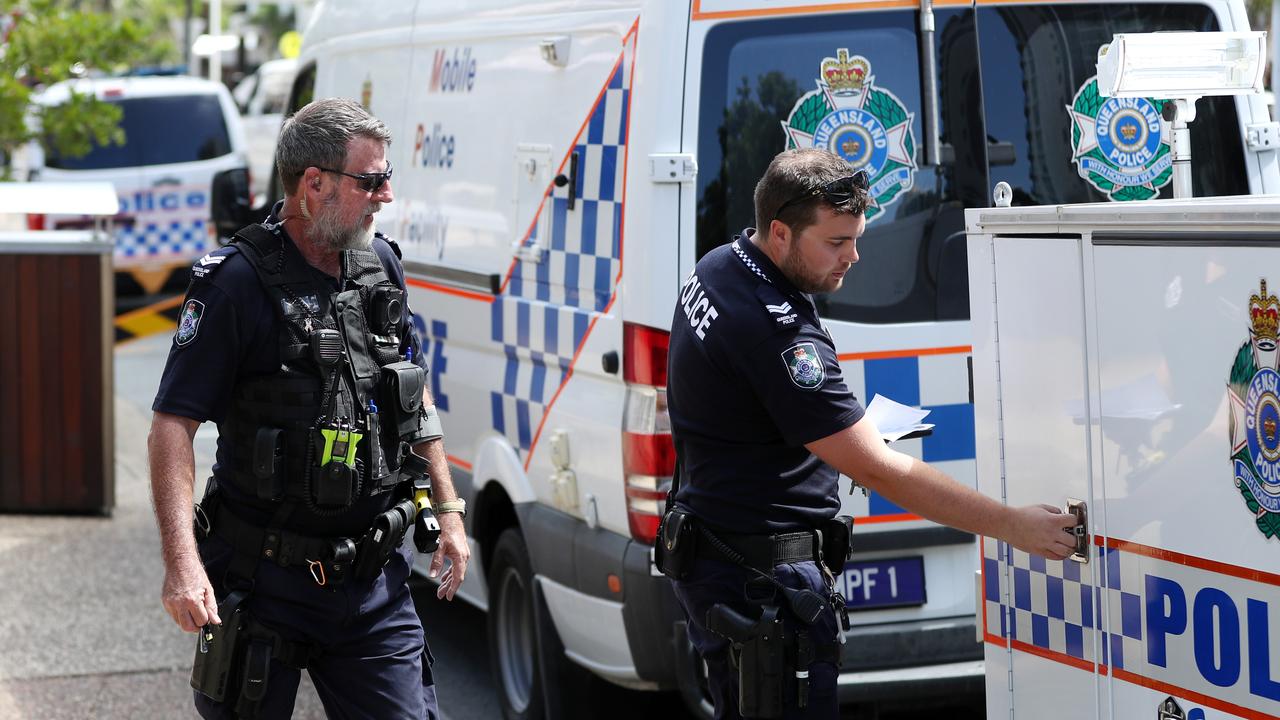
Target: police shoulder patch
804 365
189 324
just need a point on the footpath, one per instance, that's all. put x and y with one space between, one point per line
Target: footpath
82 631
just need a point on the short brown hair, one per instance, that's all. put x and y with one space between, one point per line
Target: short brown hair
791 174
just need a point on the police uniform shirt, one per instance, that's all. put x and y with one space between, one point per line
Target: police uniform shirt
752 377
229 331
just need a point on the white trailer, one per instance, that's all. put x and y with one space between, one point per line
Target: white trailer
1125 357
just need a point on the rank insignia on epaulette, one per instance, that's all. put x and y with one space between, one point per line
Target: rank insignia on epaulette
782 314
206 265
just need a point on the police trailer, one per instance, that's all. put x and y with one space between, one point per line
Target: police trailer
561 166
1127 363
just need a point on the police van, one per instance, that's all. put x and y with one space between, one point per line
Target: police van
1125 364
180 134
560 167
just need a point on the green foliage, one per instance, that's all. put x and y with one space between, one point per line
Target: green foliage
751 133
49 38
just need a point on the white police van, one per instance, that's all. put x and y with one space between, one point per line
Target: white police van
180 133
1128 362
559 169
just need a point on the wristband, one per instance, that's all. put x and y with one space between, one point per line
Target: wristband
451 506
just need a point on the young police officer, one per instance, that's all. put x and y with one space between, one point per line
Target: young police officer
295 340
765 424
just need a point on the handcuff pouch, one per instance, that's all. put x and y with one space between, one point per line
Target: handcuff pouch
674 548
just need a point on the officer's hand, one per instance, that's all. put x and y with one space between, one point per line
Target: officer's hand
1043 530
453 545
188 596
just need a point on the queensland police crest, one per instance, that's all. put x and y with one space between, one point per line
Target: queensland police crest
1120 145
866 125
804 366
1254 423
189 323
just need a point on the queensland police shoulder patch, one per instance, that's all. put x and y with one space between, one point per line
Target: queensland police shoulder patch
190 322
804 365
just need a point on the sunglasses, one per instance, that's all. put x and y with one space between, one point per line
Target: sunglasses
368 182
837 192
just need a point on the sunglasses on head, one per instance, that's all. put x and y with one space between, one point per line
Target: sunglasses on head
836 192
368 182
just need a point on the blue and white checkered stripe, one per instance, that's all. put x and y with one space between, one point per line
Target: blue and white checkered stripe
185 238
1057 606
937 383
542 317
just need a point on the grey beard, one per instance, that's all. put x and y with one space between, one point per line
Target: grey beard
331 236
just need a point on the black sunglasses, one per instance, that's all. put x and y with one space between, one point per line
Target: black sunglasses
368 182
837 192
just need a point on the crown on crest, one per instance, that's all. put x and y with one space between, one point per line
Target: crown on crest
845 76
1128 132
1264 313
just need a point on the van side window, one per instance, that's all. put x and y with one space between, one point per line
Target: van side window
304 88
765 88
1037 63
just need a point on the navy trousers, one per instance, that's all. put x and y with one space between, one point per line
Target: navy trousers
374 661
714 581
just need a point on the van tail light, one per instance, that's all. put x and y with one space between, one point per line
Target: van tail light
648 453
35 221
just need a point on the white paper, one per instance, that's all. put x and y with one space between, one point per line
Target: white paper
893 419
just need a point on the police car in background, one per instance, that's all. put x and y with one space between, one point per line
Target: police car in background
261 97
561 166
180 133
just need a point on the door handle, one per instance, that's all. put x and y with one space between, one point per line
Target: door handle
1080 530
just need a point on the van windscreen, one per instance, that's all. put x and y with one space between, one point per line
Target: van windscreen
158 131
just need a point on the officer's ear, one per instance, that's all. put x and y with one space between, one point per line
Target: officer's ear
779 234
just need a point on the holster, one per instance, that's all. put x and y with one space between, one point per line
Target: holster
674 547
760 651
837 543
218 648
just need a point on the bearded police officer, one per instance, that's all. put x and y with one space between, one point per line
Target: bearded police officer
296 341
764 424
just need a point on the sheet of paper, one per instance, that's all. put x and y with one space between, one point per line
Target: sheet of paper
894 419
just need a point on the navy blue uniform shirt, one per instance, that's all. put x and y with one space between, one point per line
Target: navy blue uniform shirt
753 376
237 336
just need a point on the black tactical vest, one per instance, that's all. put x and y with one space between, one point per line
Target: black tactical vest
340 369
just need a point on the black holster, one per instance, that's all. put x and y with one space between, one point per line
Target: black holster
233 660
760 651
674 548
837 543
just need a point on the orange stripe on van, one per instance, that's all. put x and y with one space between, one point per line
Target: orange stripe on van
459 462
915 352
875 519
698 13
1177 558
449 290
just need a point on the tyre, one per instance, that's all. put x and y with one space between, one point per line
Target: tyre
511 630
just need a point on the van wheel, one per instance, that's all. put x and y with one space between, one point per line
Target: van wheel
512 646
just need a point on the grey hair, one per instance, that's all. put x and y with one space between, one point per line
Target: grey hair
317 136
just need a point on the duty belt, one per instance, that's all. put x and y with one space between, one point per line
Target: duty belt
761 552
329 560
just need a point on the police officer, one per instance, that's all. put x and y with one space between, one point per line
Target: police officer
296 341
764 424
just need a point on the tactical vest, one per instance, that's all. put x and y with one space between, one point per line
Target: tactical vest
341 375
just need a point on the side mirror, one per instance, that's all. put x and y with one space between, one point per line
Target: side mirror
230 202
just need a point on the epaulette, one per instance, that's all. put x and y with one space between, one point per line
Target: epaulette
395 247
205 266
776 306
